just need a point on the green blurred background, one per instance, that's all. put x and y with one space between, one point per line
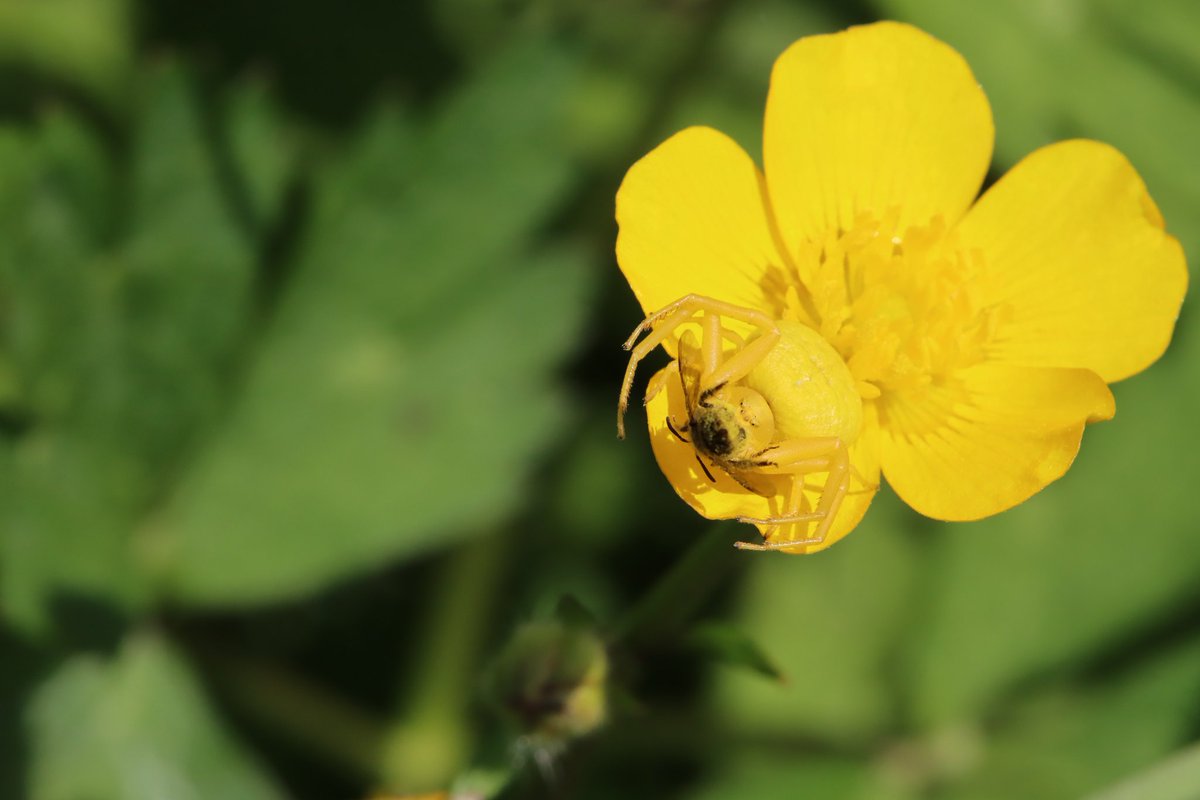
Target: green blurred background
309 326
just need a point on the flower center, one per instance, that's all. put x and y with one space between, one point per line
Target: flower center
901 306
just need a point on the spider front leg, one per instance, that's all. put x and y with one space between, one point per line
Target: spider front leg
660 325
799 458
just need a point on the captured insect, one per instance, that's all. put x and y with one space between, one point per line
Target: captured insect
764 399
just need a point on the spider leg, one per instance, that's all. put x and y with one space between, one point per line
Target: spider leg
715 373
747 485
698 302
742 362
799 458
643 349
855 475
659 326
768 546
656 384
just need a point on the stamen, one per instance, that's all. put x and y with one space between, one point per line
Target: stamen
899 304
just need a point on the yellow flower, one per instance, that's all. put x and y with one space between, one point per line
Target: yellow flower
979 336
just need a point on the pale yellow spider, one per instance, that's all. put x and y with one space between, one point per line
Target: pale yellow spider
729 398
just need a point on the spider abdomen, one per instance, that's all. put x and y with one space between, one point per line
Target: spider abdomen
808 386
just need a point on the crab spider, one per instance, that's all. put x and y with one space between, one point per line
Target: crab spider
733 399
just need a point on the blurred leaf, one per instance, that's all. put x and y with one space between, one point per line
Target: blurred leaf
21 667
88 42
133 727
402 390
725 644
189 275
54 181
476 28
1071 741
574 614
599 490
632 53
261 148
483 782
769 776
51 543
1174 778
1162 30
831 622
120 327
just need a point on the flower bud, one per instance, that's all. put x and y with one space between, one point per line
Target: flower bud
551 680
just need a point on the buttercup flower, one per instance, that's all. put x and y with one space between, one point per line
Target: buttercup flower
958 348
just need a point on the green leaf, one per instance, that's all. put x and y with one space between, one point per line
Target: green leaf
189 274
1173 778
54 183
484 782
1160 30
262 151
49 544
122 333
774 776
135 726
21 668
725 644
574 614
54 180
403 388
1070 741
88 42
599 490
830 622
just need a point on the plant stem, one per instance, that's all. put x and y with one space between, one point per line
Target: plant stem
682 591
301 710
430 739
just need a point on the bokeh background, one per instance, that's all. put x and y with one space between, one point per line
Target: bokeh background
309 327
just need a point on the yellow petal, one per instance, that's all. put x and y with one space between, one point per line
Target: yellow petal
1076 254
693 219
864 456
725 498
987 438
874 119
